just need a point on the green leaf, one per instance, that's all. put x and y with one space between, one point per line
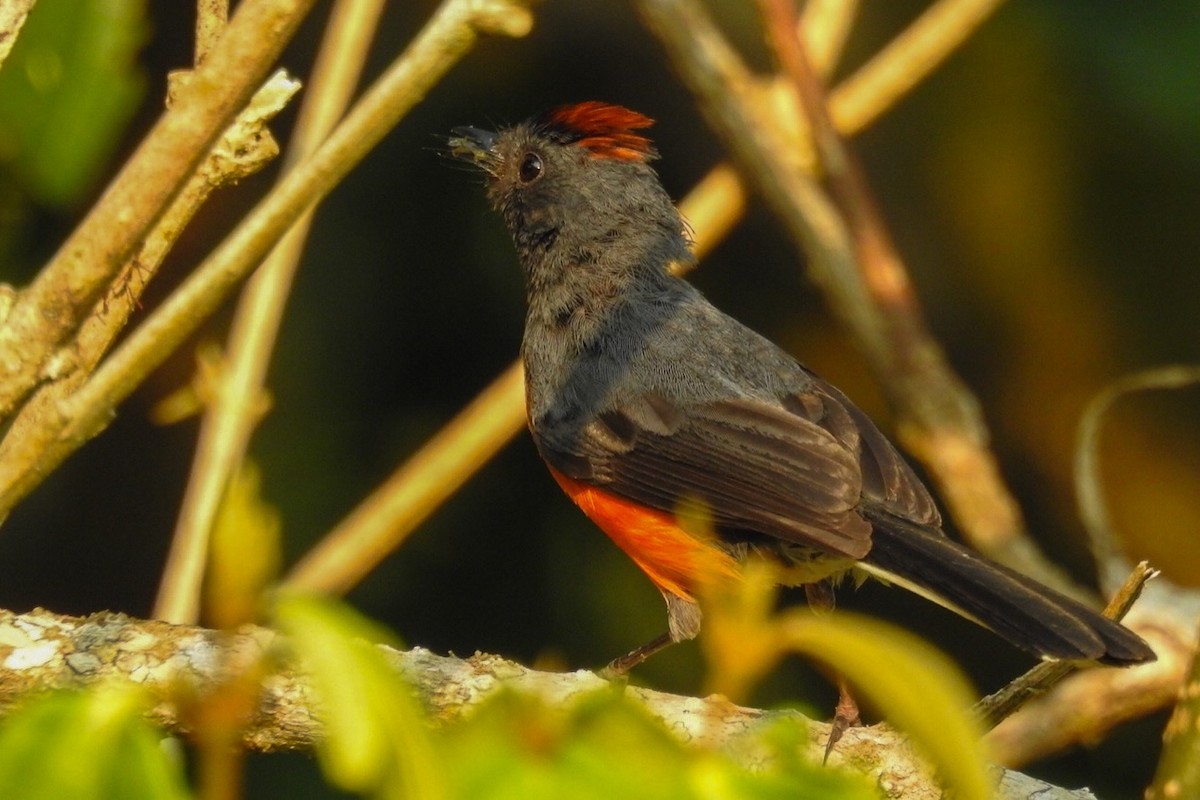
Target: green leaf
243 553
67 91
90 745
606 745
377 740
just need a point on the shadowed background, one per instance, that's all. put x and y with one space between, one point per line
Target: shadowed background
1044 187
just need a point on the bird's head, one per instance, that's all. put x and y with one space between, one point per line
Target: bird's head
575 177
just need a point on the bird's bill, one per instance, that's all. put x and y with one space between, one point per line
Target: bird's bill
474 146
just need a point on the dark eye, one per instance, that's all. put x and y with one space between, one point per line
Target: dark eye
531 168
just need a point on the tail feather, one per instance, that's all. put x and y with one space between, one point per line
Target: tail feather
1024 612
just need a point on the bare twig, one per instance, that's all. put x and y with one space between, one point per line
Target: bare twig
1111 562
825 25
234 407
65 291
1085 707
384 519
450 34
211 18
907 60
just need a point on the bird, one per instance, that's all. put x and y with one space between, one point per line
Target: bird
658 414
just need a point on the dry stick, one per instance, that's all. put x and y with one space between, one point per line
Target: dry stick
386 518
825 25
1082 710
906 60
244 148
445 39
211 18
238 397
65 291
1178 772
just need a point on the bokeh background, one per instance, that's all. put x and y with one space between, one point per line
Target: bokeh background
1043 185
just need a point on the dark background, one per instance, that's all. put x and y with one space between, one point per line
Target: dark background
1044 187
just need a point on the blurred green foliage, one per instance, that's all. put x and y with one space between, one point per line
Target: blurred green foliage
68 89
88 745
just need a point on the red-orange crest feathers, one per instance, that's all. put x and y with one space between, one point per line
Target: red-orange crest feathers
604 129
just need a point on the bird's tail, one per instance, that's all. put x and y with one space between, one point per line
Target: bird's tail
1024 612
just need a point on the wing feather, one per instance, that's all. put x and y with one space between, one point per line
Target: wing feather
757 466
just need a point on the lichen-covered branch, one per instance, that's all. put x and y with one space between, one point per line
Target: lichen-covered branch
41 651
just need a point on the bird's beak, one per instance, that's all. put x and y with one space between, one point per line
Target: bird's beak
475 146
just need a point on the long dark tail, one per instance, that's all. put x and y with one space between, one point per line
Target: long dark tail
1024 612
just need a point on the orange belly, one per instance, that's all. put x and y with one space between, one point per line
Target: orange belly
675 560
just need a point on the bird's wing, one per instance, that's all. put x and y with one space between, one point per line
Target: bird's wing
794 470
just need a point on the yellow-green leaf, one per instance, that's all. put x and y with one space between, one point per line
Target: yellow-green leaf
916 687
376 739
92 745
243 553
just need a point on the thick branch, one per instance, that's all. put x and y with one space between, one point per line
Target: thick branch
41 651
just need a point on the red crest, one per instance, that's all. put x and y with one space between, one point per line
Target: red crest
605 129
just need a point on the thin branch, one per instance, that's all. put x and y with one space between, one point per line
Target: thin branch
1178 773
907 60
1111 562
65 291
825 26
211 18
243 149
235 405
1084 708
380 523
446 38
42 651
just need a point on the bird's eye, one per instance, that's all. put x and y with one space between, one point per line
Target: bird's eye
531 168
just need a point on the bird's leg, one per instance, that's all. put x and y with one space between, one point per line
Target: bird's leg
683 622
845 714
619 666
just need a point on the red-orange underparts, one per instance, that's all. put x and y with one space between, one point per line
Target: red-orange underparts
675 560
